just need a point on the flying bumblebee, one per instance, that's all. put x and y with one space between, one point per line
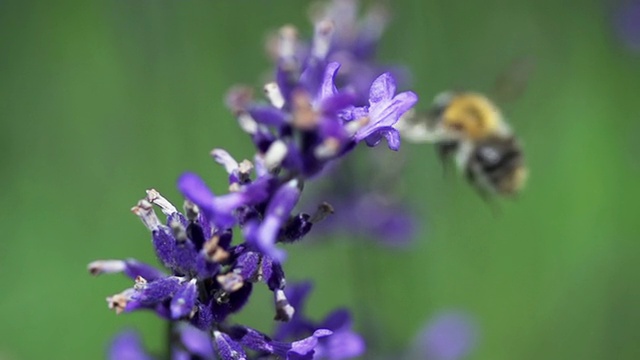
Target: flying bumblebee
470 129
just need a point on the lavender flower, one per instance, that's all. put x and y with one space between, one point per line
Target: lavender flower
307 124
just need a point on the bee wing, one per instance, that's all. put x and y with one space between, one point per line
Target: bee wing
513 81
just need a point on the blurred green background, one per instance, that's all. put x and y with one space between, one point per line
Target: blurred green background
100 100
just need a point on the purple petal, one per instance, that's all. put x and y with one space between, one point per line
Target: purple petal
392 135
127 346
268 115
333 104
383 88
304 349
328 87
194 189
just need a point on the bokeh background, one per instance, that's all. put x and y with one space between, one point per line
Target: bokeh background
100 100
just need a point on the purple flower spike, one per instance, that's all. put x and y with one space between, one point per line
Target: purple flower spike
385 110
127 346
314 115
450 336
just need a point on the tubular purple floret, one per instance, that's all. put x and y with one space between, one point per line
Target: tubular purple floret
144 210
153 196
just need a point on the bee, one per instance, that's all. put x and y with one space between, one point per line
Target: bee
470 129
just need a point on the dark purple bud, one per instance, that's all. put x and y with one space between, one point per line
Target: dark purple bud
275 276
297 227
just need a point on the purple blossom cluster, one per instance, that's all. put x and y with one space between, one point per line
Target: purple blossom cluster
216 249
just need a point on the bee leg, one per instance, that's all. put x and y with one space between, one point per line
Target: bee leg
446 151
486 195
